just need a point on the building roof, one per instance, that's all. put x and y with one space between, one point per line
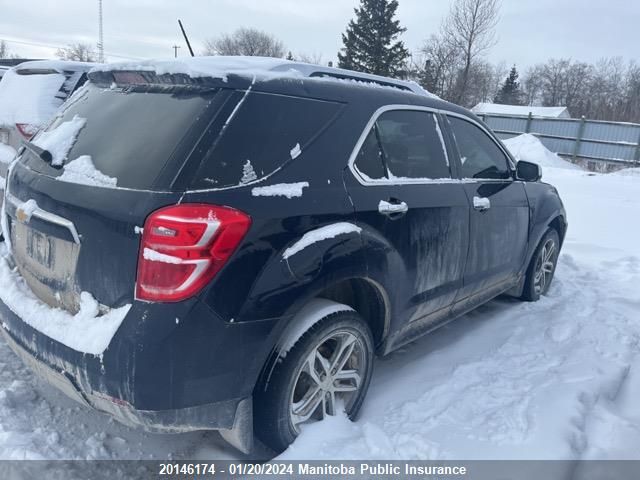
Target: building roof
497 109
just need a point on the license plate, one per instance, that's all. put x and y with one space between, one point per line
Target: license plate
40 248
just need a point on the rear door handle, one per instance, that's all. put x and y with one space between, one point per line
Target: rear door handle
481 204
392 208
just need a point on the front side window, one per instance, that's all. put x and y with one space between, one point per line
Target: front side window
404 144
479 154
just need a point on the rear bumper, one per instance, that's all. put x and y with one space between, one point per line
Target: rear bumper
215 416
158 373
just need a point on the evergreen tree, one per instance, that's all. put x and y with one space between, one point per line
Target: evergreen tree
371 42
426 77
290 56
510 93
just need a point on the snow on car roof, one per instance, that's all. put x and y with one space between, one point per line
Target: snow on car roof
59 65
29 98
32 98
260 67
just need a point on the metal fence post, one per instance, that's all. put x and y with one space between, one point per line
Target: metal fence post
576 147
527 129
637 156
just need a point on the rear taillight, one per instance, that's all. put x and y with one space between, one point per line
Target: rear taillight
26 130
183 247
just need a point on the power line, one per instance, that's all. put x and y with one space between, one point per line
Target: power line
46 45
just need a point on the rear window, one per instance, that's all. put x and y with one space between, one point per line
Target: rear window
266 131
129 135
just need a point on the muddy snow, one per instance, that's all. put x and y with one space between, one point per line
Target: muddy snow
556 379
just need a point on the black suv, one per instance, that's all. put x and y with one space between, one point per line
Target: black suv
228 251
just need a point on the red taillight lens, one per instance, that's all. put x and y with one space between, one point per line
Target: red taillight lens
183 247
26 130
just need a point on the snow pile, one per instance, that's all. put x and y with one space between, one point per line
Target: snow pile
85 331
319 234
83 171
59 140
288 190
528 148
6 155
627 172
29 98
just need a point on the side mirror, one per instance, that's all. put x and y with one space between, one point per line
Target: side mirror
528 171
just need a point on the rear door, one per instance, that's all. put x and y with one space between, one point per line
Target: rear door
499 219
402 188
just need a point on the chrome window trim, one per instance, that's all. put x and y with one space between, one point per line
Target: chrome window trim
47 217
418 181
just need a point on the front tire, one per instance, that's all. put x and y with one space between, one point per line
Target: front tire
542 267
329 368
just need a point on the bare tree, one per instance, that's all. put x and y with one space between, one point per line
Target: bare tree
79 52
470 28
246 41
441 64
4 49
314 58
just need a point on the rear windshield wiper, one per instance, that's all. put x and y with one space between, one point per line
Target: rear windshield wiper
45 155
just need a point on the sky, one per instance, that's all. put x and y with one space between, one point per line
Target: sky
529 32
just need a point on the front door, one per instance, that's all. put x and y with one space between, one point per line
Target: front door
499 213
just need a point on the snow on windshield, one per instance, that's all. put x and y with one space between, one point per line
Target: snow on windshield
58 141
84 172
29 99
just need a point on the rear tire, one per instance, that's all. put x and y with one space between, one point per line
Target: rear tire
542 267
327 369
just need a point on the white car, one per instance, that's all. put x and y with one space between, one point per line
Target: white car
30 94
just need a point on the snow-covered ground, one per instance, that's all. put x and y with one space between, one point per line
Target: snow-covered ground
559 378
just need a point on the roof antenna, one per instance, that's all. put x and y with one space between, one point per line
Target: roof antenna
186 39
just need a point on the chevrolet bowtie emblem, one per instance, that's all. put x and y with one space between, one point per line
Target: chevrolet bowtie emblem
21 215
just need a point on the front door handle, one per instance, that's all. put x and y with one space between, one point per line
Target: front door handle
481 204
394 208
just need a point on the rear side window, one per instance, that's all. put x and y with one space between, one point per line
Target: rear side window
479 154
404 144
264 133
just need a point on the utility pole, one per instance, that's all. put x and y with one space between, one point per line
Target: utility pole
175 51
100 34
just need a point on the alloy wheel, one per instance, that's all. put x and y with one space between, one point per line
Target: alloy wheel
328 378
545 265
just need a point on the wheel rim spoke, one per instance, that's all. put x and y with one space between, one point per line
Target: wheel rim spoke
328 403
343 352
346 381
305 408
